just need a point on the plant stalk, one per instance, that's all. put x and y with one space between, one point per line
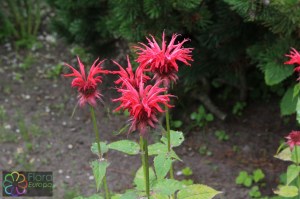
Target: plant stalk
169 136
145 162
297 164
107 194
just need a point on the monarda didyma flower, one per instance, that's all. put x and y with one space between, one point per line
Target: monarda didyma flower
293 139
129 76
87 85
294 59
162 61
143 104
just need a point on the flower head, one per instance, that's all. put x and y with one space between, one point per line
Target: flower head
87 85
129 76
294 59
293 139
143 104
162 61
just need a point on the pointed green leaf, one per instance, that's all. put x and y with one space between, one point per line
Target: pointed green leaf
157 148
168 186
103 147
292 173
296 90
197 191
139 181
176 138
285 155
99 171
126 146
288 103
287 191
275 73
162 165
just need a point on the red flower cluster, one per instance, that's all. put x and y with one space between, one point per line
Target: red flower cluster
143 104
141 99
129 76
87 85
294 59
162 60
293 139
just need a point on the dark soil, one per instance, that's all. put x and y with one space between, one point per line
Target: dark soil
62 144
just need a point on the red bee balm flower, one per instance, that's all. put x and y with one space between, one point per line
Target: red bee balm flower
143 104
293 139
87 85
129 76
295 59
162 61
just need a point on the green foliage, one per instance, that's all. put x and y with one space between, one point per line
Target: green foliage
222 135
203 150
258 175
55 71
99 170
125 146
244 179
201 118
287 191
254 192
187 171
21 21
238 108
197 191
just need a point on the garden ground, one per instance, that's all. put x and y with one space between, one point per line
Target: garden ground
37 132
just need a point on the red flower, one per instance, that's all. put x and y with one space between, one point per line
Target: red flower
129 76
163 60
293 139
295 59
87 85
143 104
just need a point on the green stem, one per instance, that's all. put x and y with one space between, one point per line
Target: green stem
297 164
145 162
169 137
107 194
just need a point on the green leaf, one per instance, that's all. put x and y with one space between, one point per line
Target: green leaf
160 148
130 194
99 171
187 171
177 123
285 155
292 173
91 197
209 117
288 103
126 146
139 181
296 152
167 186
298 111
159 196
296 90
244 179
258 175
287 191
176 138
254 192
276 73
197 191
162 165
103 147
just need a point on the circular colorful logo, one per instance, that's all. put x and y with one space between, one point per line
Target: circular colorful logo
15 184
